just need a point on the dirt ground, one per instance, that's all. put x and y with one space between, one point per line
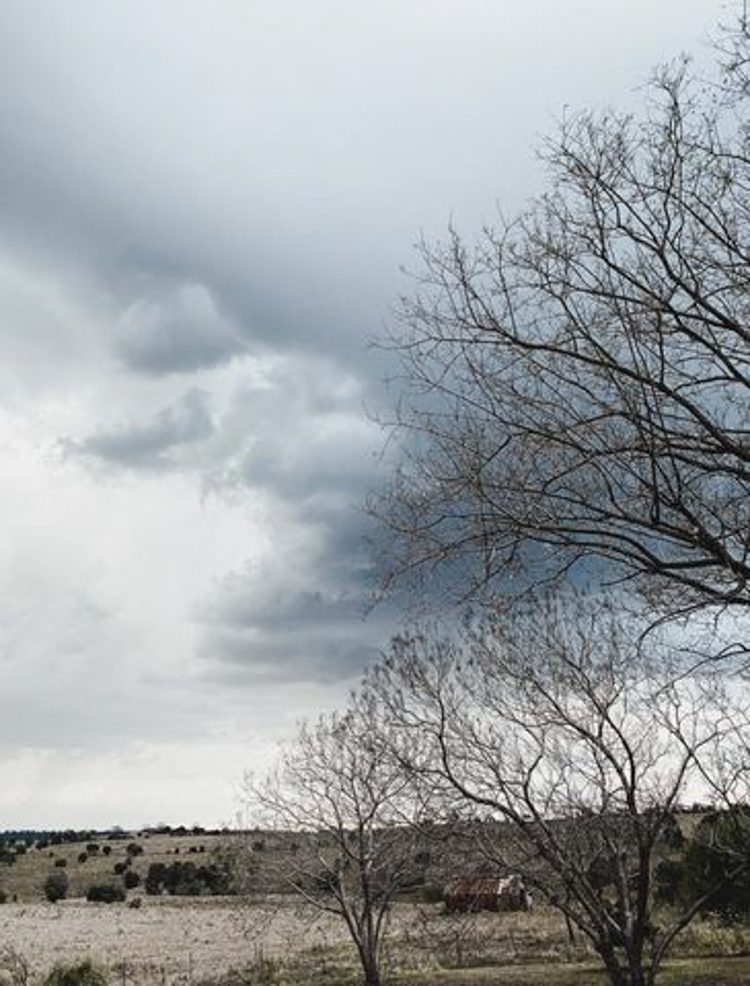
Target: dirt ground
182 941
165 940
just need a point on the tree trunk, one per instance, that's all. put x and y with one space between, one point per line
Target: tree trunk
372 974
370 966
615 973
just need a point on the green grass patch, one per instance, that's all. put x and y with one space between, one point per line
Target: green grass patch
680 972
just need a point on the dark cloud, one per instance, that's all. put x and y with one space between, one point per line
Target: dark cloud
253 633
176 330
158 445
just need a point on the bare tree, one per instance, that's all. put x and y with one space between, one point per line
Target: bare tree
567 751
576 387
339 788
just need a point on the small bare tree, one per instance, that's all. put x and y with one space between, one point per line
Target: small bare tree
338 787
576 385
567 751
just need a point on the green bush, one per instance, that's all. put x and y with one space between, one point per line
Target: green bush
186 879
105 894
82 973
56 886
718 847
131 879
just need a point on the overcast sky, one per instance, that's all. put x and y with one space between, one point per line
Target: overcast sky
204 208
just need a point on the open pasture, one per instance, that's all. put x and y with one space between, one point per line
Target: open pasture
199 940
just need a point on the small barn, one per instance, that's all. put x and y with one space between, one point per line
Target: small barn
487 893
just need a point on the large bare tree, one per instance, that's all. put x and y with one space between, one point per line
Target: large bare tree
576 383
339 789
567 750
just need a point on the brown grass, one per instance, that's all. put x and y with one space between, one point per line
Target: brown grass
26 876
272 940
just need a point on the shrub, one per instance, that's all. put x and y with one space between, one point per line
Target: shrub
134 849
186 879
82 857
56 886
83 973
131 880
61 862
120 868
154 882
105 894
92 848
106 850
14 969
3 897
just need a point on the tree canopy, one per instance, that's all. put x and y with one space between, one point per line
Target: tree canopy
576 383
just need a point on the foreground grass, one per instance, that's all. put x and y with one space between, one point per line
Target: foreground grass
680 972
273 942
333 969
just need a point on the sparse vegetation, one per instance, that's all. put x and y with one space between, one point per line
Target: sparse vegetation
131 879
105 894
83 973
56 886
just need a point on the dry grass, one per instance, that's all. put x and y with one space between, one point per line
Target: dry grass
26 876
272 940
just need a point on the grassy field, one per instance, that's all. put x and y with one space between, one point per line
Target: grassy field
268 939
170 941
685 972
24 879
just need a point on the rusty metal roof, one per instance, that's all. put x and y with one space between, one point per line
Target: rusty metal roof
484 886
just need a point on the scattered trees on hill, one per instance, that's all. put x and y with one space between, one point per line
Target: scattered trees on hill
186 879
565 749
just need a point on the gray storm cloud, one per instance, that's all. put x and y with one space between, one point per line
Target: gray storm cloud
177 330
203 212
159 444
